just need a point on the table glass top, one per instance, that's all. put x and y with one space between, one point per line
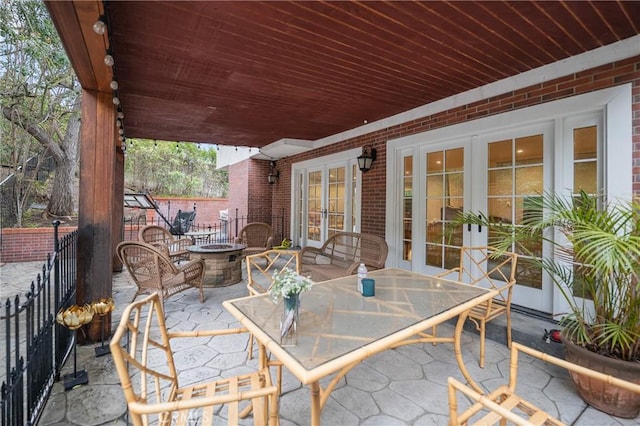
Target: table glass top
335 319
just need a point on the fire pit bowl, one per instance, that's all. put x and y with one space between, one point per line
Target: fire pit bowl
223 263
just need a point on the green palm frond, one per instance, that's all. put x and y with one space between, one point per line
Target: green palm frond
597 259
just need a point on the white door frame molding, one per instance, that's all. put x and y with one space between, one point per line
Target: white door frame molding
615 104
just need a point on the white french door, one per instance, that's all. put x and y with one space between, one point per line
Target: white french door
515 166
492 174
327 199
494 166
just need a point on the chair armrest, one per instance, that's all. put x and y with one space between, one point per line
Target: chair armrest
192 269
184 242
269 243
162 248
308 254
178 246
353 268
238 240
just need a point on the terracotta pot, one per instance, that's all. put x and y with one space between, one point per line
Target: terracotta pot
607 398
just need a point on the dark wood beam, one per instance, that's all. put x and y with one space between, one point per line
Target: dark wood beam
98 165
86 50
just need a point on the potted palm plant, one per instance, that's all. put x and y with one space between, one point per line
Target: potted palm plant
595 263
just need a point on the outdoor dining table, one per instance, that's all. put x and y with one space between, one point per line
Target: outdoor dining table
339 328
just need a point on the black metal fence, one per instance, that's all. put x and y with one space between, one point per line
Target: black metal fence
36 347
224 229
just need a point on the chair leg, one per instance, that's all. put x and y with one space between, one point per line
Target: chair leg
483 325
250 356
509 327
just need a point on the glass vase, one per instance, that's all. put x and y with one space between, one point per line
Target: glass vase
289 321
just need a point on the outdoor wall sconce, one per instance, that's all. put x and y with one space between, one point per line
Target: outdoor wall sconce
365 160
274 174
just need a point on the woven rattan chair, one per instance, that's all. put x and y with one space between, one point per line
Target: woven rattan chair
153 271
144 361
256 238
157 235
504 405
342 253
481 266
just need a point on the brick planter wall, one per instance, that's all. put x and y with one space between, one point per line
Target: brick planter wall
28 244
33 244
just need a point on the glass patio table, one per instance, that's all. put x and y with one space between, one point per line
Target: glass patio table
339 328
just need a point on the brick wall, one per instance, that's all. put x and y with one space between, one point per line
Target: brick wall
28 244
207 209
33 244
238 187
259 190
374 181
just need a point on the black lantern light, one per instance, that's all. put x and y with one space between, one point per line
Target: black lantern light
365 160
273 174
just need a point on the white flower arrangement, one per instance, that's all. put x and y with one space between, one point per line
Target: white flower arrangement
287 282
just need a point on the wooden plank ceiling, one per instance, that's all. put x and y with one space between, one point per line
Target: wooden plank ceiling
248 73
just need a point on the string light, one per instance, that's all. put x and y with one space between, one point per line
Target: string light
100 26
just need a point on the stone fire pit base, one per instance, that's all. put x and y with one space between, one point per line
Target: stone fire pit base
223 263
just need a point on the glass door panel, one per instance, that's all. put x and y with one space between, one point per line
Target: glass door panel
328 208
585 160
515 173
444 182
315 209
585 176
336 200
407 207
